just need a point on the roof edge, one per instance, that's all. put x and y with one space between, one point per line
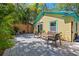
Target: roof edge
65 13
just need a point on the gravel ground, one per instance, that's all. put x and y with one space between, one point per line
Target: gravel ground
28 45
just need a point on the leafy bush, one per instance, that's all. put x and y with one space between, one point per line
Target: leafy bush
6 31
43 31
6 43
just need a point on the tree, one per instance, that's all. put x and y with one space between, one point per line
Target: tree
27 13
74 7
23 13
35 9
6 21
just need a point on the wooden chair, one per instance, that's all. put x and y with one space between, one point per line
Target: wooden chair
53 36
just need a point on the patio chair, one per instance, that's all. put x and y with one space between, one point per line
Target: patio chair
54 37
50 36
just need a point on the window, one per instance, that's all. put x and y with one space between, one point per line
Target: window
53 26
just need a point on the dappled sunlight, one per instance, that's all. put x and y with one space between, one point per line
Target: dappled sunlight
38 47
26 29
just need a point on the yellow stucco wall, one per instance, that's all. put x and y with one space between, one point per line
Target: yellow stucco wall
63 27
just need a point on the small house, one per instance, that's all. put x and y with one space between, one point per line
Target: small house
61 21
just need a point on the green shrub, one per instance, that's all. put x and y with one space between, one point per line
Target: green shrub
43 31
6 31
5 42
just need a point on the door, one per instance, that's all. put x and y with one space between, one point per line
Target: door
40 27
72 29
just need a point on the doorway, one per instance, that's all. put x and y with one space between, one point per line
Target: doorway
72 29
40 28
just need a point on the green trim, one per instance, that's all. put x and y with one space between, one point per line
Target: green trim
75 29
75 21
64 13
38 17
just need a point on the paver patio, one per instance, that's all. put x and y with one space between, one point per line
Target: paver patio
27 45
